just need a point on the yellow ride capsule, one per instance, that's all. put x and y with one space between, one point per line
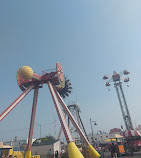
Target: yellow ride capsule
25 72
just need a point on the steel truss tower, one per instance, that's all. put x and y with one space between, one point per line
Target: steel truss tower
75 111
116 78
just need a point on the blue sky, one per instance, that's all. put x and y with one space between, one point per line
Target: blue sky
89 38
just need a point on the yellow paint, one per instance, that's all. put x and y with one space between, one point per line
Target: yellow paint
11 151
74 151
92 152
25 72
112 140
28 154
18 154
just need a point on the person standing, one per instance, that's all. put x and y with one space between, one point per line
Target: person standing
56 154
113 150
49 153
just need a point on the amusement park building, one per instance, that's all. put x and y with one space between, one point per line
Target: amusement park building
44 147
41 148
101 138
98 138
18 145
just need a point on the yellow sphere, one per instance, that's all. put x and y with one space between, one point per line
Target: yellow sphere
25 72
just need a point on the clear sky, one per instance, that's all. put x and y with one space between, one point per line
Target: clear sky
89 38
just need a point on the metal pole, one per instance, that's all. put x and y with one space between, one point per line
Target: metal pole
39 127
60 131
130 125
67 111
120 102
78 117
93 153
61 116
123 106
12 106
82 125
40 132
28 150
91 126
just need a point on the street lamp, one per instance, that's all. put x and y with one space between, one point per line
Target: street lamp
93 123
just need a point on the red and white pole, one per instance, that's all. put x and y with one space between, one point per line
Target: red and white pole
61 116
93 153
7 111
36 77
72 148
60 131
28 150
72 119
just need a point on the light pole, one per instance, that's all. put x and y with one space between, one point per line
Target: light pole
92 123
40 128
116 79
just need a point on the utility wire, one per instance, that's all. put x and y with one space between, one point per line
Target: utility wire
16 130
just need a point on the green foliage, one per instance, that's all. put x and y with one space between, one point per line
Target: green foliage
45 139
48 138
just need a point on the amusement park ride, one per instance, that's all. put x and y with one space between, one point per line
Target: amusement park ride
116 79
75 111
132 137
27 81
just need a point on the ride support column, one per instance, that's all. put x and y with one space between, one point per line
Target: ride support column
92 152
72 148
11 107
28 149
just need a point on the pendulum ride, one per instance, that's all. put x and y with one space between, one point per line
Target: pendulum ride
28 80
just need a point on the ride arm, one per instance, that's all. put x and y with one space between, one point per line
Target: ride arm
6 112
73 151
92 152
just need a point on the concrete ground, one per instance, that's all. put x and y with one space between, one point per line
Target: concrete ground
136 155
